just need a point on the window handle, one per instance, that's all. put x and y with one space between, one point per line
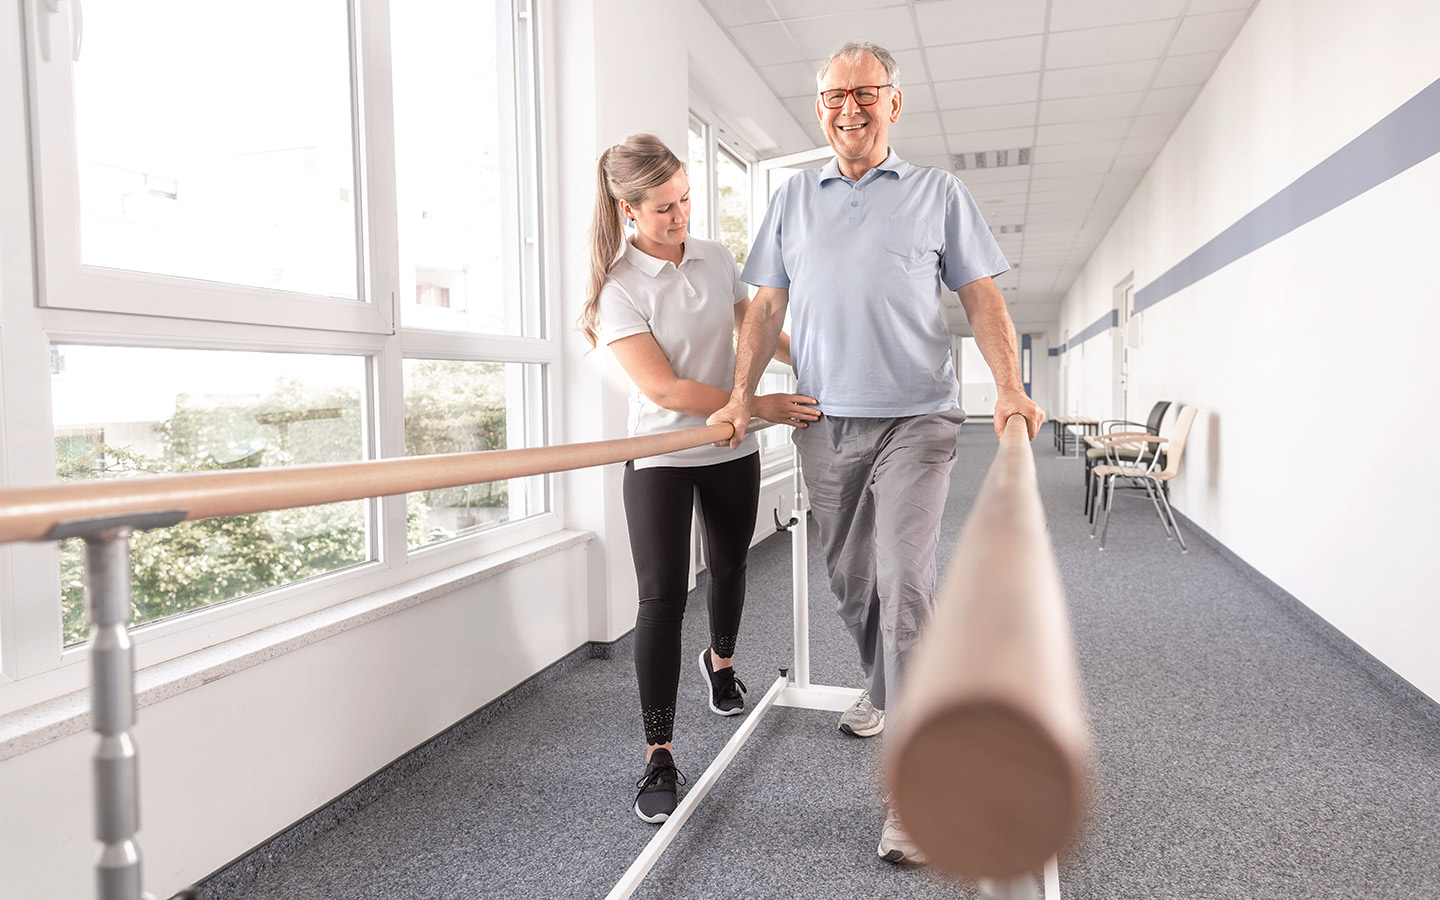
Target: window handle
77 24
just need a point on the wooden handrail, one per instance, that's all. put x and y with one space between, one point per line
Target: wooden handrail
29 514
988 754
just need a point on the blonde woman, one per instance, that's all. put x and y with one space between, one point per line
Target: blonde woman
668 304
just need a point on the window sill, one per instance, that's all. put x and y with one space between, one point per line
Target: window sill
35 726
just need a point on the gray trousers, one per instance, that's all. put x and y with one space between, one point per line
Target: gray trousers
878 488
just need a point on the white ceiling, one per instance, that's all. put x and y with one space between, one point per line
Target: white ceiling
1092 88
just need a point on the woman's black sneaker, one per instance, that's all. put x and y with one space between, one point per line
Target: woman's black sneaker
725 688
657 800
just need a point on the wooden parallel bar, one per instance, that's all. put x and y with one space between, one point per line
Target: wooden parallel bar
988 755
29 514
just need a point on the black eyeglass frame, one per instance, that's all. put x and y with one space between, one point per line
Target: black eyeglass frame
851 92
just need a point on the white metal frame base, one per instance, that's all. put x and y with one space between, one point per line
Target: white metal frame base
794 690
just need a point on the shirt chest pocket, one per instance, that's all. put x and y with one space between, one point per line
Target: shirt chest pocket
907 237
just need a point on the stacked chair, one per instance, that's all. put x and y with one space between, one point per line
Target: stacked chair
1136 458
1104 447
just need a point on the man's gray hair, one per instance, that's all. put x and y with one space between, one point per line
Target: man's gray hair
852 51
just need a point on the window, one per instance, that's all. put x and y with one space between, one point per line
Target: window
720 192
321 244
205 410
461 407
732 219
462 268
237 180
698 170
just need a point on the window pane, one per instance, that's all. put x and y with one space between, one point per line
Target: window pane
137 411
775 435
697 168
455 154
454 406
215 142
733 228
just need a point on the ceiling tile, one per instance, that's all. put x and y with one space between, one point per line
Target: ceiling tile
1003 173
1039 182
1040 209
990 118
1199 7
1079 132
985 141
912 67
957 21
791 9
1071 167
790 79
920 100
1133 162
1168 100
1095 13
980 60
1149 143
917 125
1212 32
1160 124
1190 68
1092 80
941 161
739 12
1098 46
766 44
822 35
912 148
1079 109
1067 152
803 109
995 91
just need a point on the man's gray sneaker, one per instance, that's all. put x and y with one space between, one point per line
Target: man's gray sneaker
863 719
896 845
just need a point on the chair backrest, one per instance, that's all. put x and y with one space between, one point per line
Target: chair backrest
1157 415
1175 447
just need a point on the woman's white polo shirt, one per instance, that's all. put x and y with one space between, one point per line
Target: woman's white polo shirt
690 311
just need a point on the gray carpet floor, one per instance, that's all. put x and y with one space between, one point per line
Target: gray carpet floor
1242 751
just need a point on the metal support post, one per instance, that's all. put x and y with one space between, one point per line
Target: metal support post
112 695
800 577
112 702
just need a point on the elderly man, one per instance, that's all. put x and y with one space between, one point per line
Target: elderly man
860 251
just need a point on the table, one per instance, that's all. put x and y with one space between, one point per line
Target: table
1068 431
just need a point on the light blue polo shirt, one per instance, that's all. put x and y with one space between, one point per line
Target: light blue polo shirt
865 263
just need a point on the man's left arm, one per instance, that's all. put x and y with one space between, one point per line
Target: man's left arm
995 336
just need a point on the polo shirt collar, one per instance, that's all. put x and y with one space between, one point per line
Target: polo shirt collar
891 163
651 265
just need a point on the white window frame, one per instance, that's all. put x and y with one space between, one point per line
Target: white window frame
48 297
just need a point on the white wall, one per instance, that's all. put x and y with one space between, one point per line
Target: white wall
225 766
1306 457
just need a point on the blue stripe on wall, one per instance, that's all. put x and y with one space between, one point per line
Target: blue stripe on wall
1098 327
1409 135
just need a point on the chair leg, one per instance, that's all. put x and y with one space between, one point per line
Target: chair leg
1153 489
1097 502
1109 499
1171 513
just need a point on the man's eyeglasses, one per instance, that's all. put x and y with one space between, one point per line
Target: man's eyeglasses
865 95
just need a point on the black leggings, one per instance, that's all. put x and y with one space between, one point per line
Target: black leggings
658 503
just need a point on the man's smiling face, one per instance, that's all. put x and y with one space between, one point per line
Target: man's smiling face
859 135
